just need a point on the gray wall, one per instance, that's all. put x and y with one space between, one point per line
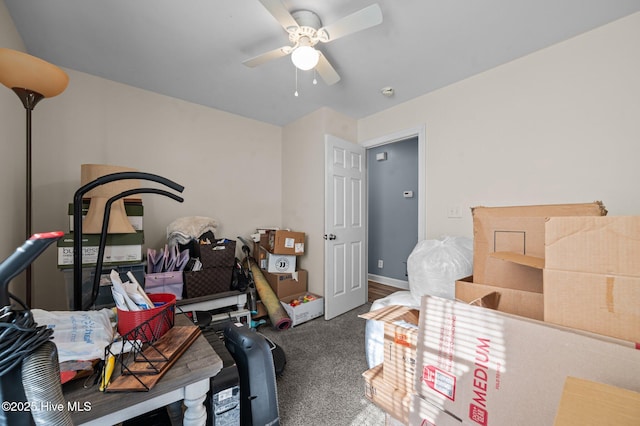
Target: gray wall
393 219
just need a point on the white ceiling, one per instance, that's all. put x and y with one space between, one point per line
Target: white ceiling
194 49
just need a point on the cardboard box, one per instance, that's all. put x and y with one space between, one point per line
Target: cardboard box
517 302
304 311
589 403
393 401
278 263
516 230
592 274
400 340
119 248
490 368
284 285
134 211
423 413
285 242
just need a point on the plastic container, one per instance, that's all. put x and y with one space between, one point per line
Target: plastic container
150 324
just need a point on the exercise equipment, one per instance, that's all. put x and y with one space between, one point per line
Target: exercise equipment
254 361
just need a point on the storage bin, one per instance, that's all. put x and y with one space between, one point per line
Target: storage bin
148 325
207 281
220 253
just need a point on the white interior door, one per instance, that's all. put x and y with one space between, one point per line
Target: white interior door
345 257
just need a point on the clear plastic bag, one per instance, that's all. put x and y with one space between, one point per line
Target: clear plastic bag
434 266
78 335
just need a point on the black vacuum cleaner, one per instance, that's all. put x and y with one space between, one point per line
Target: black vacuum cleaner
258 389
29 368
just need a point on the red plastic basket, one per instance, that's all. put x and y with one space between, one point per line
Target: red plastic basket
150 324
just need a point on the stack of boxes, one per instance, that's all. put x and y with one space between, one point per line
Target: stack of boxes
569 291
277 252
123 252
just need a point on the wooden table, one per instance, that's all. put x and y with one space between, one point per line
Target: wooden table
188 380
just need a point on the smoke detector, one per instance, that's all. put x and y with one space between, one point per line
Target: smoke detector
387 91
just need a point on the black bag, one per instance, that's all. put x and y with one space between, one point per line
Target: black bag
240 278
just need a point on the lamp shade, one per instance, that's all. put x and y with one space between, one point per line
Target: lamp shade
305 57
23 71
118 222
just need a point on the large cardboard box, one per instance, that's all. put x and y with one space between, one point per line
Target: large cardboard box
592 274
517 302
400 340
391 400
284 285
285 242
491 368
590 403
502 232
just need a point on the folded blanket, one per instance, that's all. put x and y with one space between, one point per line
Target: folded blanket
185 229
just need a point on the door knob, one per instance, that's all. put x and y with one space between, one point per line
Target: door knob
329 237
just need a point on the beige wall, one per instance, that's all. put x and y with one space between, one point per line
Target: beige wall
557 126
303 182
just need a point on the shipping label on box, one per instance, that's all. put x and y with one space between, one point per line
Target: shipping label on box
481 365
304 311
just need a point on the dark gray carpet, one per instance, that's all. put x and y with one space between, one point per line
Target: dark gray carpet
322 381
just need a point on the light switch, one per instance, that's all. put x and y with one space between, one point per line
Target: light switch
407 194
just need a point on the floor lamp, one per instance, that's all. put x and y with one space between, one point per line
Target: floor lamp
32 79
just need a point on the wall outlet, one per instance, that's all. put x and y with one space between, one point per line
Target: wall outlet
380 263
454 211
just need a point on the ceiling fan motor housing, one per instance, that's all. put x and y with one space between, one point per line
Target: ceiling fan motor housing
306 34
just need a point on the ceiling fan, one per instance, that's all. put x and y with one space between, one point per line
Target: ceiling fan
305 31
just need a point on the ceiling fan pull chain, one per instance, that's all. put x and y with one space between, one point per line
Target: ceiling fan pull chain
315 80
296 92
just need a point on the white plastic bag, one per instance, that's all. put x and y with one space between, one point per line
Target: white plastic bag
78 335
435 265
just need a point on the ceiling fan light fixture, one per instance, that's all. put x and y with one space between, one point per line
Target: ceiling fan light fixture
305 57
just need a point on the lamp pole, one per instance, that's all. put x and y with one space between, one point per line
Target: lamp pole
29 99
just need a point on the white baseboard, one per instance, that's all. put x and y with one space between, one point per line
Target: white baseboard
392 282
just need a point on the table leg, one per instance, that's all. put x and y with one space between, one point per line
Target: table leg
195 413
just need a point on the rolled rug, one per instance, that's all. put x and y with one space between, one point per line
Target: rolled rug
278 316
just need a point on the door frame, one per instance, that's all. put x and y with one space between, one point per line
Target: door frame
420 132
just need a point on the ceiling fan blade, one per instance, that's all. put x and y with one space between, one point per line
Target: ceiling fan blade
268 56
357 21
280 12
326 71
